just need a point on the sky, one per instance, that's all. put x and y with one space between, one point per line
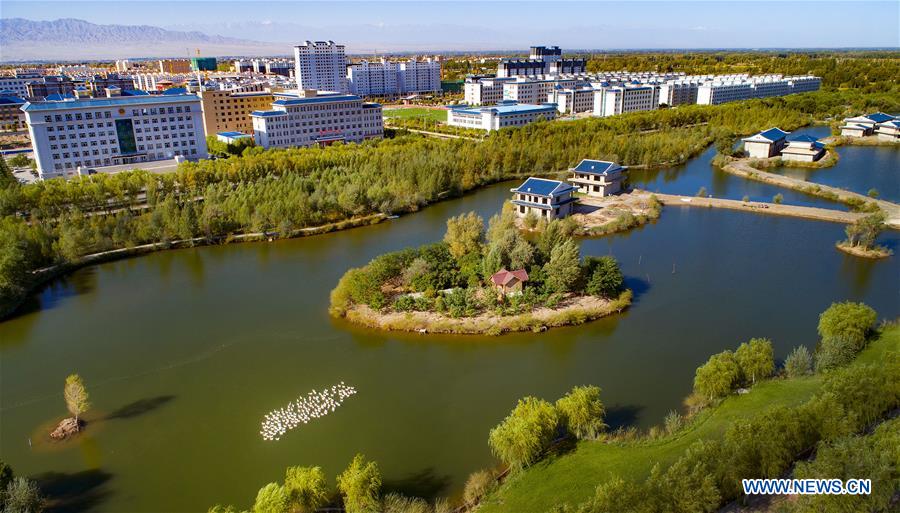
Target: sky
461 25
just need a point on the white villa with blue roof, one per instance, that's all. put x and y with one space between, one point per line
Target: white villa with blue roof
803 148
598 177
766 144
889 130
548 199
862 126
505 113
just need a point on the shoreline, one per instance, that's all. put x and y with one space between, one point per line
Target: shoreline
874 253
572 311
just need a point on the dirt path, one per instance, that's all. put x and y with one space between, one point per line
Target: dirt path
743 169
820 214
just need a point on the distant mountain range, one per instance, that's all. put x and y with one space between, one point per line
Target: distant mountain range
68 39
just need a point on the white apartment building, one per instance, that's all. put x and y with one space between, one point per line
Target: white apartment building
803 84
678 92
16 84
484 91
87 133
321 65
311 118
533 91
505 114
387 78
572 101
715 93
610 101
123 65
742 87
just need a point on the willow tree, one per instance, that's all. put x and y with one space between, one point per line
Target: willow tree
76 396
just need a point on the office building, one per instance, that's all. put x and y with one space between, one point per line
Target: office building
229 110
51 85
73 135
572 101
533 91
542 60
321 65
16 85
174 66
310 118
204 64
504 114
610 101
98 84
484 90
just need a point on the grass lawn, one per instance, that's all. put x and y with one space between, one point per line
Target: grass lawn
413 112
573 477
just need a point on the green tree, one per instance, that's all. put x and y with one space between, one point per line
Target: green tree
491 263
798 363
464 235
525 433
581 412
778 198
77 400
848 321
271 498
865 230
522 254
563 271
756 359
604 277
619 496
306 488
360 484
718 376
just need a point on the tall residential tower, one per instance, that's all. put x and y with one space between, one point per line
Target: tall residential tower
321 65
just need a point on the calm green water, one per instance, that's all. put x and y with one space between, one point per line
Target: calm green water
185 351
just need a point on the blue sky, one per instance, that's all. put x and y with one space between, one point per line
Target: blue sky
459 25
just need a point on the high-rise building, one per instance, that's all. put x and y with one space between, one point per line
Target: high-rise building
174 66
69 136
316 119
203 64
387 78
542 60
321 65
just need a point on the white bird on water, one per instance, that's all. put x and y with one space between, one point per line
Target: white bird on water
311 406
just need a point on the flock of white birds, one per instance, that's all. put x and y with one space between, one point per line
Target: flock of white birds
305 409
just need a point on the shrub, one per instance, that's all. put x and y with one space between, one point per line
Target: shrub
673 422
849 321
798 363
581 412
478 485
873 193
778 198
702 192
525 433
398 503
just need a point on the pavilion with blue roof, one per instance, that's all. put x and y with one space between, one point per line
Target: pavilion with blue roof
548 199
766 144
803 148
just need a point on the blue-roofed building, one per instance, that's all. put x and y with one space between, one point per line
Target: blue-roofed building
598 177
765 144
12 119
803 148
862 126
71 137
232 137
888 130
548 199
307 118
505 114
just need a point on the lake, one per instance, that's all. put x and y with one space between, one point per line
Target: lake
185 351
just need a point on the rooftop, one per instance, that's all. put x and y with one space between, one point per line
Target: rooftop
597 167
233 134
803 138
880 117
108 102
318 99
544 187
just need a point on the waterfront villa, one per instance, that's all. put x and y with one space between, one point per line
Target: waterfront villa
888 130
598 177
861 126
509 281
765 144
549 199
803 148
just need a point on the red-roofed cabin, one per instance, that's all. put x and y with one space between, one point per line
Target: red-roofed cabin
509 281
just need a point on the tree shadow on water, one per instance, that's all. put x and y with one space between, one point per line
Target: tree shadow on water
139 407
639 287
622 416
424 483
73 492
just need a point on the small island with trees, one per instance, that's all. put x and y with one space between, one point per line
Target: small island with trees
861 237
479 281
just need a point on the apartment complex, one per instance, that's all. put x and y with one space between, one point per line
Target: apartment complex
484 90
321 65
388 78
504 114
12 119
533 91
174 66
69 136
16 85
311 118
229 110
50 85
731 88
572 101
